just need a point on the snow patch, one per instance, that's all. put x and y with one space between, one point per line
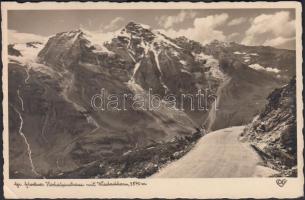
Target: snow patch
97 42
239 53
185 71
75 37
29 54
101 49
131 56
158 66
18 37
211 63
98 37
175 53
29 60
145 26
136 88
182 62
144 46
21 100
161 39
137 66
261 68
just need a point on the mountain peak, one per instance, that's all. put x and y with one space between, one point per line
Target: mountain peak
219 43
76 33
137 30
133 25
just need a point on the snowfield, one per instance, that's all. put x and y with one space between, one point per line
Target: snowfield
261 68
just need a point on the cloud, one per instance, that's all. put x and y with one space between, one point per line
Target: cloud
232 36
17 37
89 22
237 21
100 37
114 24
270 29
169 21
204 29
280 42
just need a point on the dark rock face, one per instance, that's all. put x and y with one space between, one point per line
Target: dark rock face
189 44
33 44
12 51
274 131
158 58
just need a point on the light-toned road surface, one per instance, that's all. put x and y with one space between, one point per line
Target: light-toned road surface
217 155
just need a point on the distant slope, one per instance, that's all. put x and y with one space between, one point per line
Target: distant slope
254 72
245 94
268 57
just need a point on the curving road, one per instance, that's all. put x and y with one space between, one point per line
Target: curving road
219 154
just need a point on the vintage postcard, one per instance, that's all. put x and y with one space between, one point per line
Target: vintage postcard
152 100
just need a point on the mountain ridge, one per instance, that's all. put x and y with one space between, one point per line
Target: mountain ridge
68 133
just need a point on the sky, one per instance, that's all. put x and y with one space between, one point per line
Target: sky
268 27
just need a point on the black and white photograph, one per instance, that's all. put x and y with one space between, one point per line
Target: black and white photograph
152 93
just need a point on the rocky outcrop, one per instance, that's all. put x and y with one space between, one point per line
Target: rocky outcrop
158 59
12 51
274 132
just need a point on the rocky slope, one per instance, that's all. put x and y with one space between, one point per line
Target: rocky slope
54 90
273 132
138 162
55 130
243 91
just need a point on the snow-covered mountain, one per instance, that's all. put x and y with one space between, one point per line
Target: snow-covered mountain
51 85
